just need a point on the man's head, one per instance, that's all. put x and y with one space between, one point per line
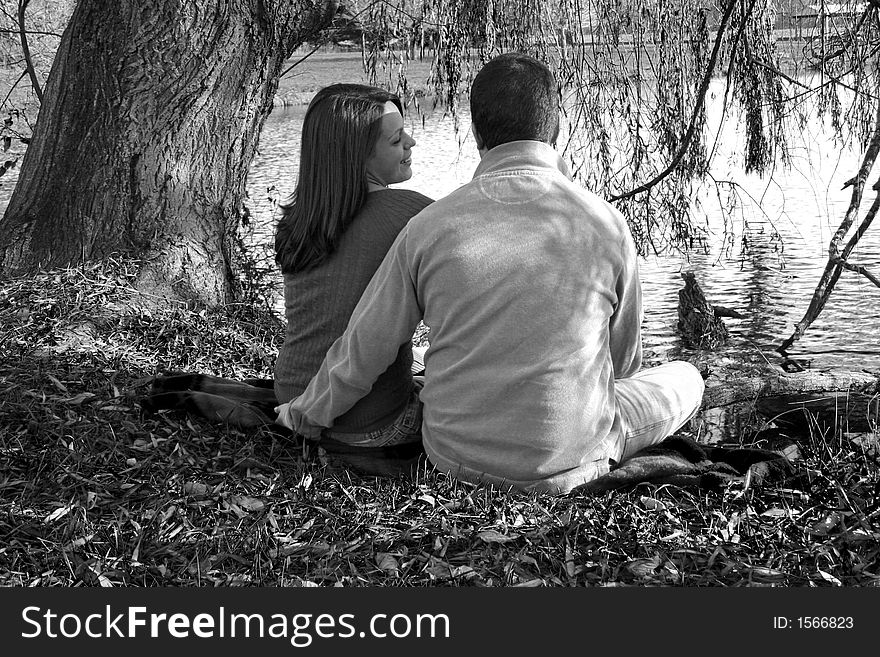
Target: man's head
513 97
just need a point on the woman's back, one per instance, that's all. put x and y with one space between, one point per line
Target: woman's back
319 302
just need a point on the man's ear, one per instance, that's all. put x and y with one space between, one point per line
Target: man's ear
477 138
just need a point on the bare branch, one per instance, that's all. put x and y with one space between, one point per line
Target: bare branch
40 32
12 88
836 258
860 269
300 60
22 8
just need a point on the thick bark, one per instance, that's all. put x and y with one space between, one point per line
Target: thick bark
151 118
803 401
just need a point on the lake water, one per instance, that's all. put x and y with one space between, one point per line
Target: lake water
771 284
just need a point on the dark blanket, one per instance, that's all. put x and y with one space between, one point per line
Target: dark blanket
681 461
250 404
247 404
678 460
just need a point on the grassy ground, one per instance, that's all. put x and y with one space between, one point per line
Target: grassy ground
93 492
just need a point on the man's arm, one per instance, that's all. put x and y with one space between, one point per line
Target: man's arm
625 326
385 318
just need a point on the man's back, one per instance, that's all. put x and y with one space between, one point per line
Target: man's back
529 285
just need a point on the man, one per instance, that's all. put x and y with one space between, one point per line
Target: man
530 287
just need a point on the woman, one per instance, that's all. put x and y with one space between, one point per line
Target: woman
333 233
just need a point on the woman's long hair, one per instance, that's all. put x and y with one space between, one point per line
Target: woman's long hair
340 129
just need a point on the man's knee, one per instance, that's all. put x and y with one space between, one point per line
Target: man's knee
690 384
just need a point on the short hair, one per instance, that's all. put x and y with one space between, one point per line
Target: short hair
340 129
513 97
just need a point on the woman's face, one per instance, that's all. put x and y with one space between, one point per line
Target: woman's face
391 159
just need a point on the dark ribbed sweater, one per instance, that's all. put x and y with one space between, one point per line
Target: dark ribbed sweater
319 302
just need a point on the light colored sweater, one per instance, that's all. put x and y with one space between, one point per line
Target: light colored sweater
318 304
530 286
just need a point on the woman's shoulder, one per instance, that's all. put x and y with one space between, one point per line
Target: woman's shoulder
405 199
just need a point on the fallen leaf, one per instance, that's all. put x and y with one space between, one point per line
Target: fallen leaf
195 489
824 525
387 563
463 572
828 577
652 504
760 572
60 512
57 383
859 535
319 548
524 558
439 569
565 517
492 536
569 561
79 542
251 504
868 442
103 580
792 452
78 399
643 567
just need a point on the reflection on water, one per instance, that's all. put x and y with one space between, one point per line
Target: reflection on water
767 272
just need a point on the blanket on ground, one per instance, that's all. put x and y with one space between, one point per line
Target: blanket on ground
678 460
250 404
683 462
247 404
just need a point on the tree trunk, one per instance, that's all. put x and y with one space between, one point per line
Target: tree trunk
151 119
805 402
732 389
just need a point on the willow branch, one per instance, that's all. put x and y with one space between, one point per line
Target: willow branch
40 32
22 8
843 258
12 88
300 60
701 101
837 259
861 269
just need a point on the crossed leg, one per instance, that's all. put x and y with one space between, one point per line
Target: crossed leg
655 403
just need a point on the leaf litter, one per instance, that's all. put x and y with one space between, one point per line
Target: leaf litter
94 492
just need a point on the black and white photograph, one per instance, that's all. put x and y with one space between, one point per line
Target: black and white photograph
318 315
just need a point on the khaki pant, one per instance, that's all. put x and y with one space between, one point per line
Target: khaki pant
655 403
